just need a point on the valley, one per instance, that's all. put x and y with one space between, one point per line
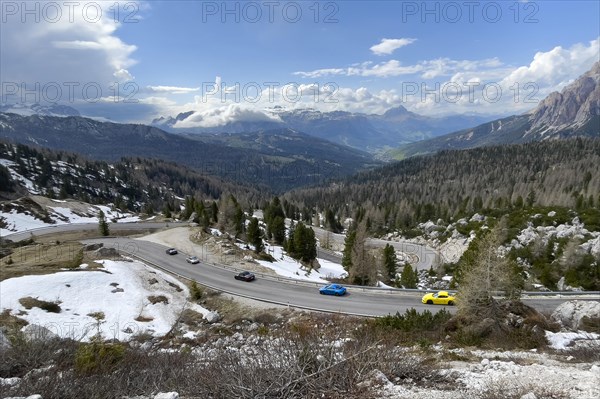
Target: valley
300 200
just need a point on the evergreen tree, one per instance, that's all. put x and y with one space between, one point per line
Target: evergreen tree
103 224
255 235
304 243
348 244
278 230
389 261
275 219
409 277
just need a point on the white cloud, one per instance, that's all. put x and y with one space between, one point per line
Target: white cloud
173 89
553 69
68 51
214 117
388 46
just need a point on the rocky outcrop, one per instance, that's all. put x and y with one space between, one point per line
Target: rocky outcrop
576 104
576 315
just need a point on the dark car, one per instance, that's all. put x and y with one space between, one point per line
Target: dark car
171 251
245 276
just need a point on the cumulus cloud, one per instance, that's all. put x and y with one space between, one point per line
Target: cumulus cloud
225 115
553 69
388 46
71 50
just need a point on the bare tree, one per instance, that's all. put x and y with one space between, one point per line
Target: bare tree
491 274
364 267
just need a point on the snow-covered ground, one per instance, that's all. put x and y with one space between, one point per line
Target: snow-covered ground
287 266
18 221
119 290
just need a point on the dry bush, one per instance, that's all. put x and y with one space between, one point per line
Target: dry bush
154 299
29 302
503 389
313 358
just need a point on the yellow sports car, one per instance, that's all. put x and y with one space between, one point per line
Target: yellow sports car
439 298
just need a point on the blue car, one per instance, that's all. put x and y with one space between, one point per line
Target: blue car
333 289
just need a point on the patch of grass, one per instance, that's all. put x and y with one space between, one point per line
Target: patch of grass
98 357
41 259
191 318
154 299
144 319
97 315
29 302
11 322
177 287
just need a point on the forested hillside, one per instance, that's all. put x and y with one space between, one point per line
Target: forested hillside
134 184
452 184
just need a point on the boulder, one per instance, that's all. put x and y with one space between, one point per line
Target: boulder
93 247
166 395
107 252
570 314
35 332
212 317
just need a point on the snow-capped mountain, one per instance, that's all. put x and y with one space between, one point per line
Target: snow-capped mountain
39 109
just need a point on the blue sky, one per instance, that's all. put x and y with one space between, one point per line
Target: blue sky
162 58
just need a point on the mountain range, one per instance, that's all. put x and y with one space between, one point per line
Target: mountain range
277 159
370 132
575 111
282 158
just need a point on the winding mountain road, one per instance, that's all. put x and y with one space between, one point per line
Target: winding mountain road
272 289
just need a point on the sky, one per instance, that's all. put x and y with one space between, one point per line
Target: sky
131 61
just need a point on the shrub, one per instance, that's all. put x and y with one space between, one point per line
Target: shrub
195 291
412 320
98 357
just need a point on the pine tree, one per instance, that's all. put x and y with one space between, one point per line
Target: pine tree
278 230
409 277
102 224
348 244
389 261
304 244
255 235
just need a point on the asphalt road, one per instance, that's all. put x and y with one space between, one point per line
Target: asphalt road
283 291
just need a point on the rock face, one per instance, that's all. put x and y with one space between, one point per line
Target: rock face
575 105
570 314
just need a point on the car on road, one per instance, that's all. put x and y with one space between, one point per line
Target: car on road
171 251
439 298
245 276
192 259
333 289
